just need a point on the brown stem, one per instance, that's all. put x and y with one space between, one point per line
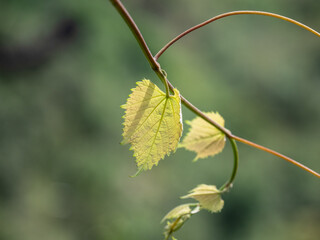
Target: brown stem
136 33
142 43
290 160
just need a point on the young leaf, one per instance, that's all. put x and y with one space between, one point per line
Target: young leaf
181 210
152 123
174 226
203 138
178 216
208 196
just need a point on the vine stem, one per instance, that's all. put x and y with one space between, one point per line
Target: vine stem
156 57
142 43
161 74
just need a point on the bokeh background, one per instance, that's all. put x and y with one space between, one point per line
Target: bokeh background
66 66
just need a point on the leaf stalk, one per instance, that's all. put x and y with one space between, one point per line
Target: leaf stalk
228 184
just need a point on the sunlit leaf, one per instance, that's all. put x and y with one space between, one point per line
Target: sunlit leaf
152 123
203 138
208 196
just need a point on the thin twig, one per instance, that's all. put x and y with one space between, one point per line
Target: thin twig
142 43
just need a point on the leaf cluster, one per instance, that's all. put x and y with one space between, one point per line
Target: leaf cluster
153 127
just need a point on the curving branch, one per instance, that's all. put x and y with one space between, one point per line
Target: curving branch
290 160
156 57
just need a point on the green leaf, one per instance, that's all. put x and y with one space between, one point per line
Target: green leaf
208 196
152 123
203 138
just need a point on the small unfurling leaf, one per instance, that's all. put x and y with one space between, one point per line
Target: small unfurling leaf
152 123
181 210
173 226
208 196
203 138
178 216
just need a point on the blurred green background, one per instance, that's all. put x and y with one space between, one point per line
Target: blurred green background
66 66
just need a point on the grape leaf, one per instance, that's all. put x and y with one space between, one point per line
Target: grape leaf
203 138
152 123
208 196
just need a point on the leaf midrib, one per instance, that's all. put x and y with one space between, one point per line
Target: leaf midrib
154 139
